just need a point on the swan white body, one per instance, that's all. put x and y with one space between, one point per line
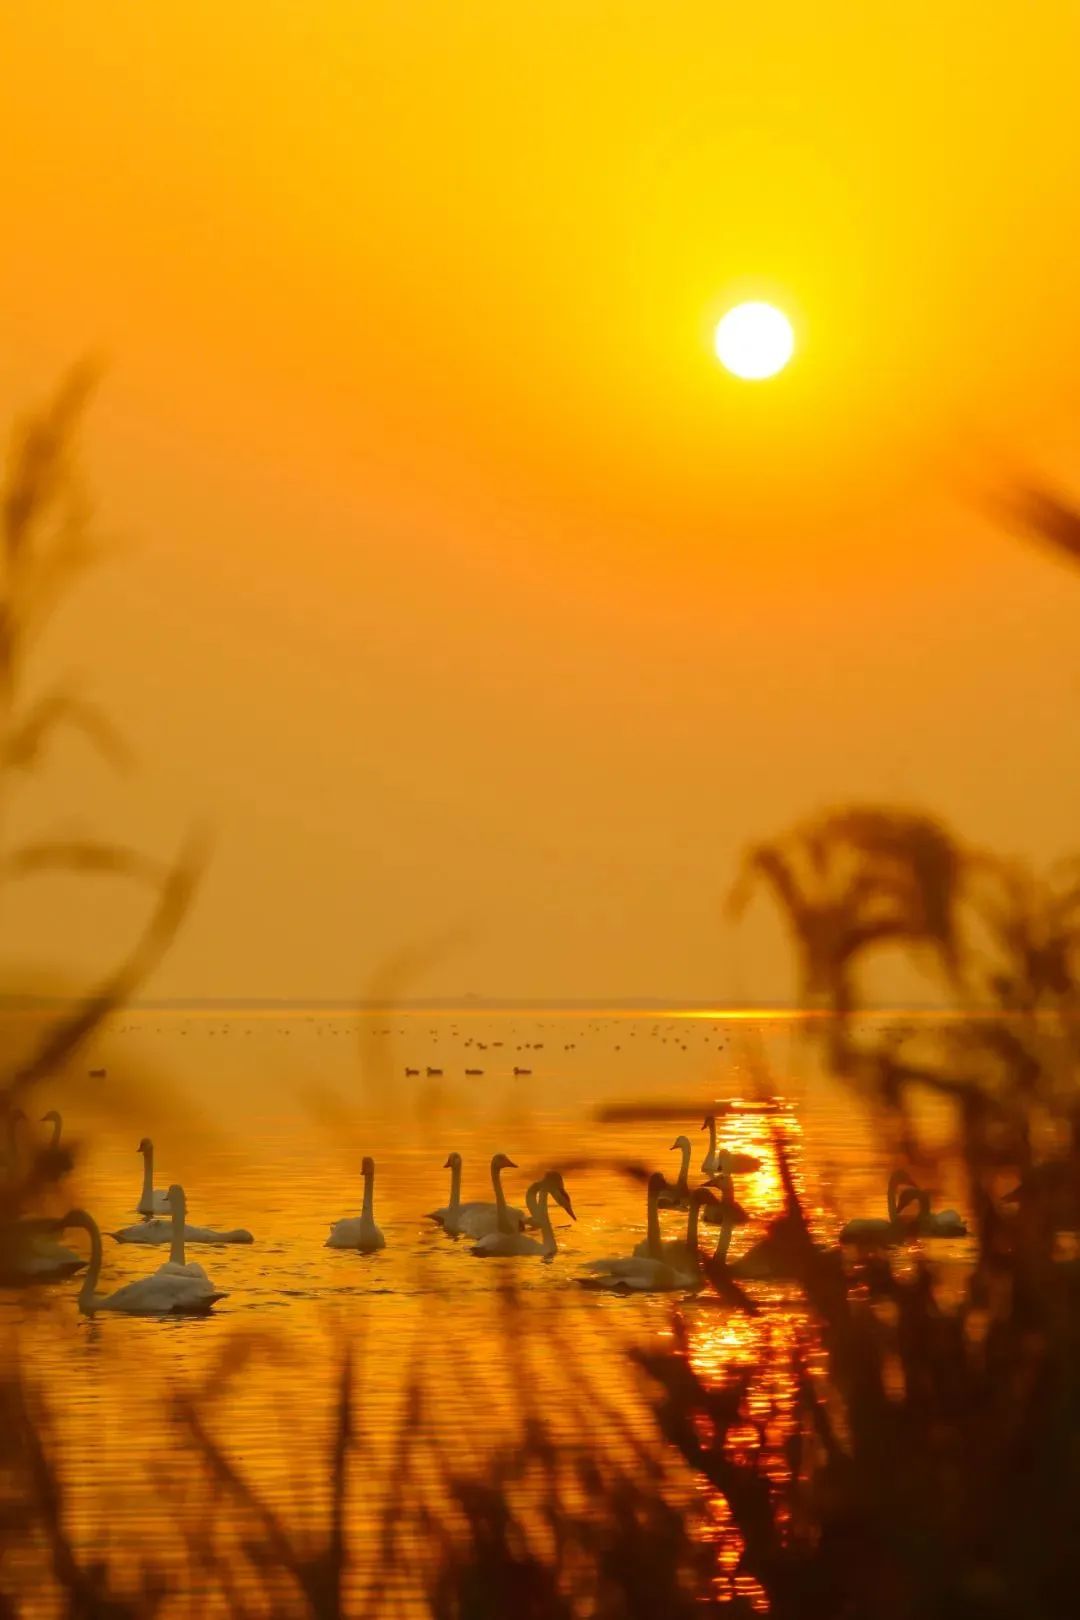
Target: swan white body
359 1231
515 1243
151 1202
157 1231
172 1290
872 1231
646 1273
478 1219
681 1253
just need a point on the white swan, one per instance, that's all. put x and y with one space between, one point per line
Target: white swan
447 1216
359 1231
477 1219
709 1162
151 1201
177 1265
870 1231
642 1273
682 1253
512 1243
678 1197
159 1231
168 1292
720 1160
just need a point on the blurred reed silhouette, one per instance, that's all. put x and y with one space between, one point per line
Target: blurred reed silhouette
929 1465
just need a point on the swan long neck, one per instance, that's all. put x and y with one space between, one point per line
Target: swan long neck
652 1227
80 1218
547 1231
368 1210
710 1157
684 1168
176 1247
897 1180
723 1242
57 1127
500 1199
148 1175
455 1186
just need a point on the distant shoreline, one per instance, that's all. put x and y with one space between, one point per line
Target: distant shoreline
471 1005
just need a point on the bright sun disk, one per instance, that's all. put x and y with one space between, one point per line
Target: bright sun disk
754 341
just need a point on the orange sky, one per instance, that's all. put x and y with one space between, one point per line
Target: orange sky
465 594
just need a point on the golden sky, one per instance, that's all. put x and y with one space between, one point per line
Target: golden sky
462 592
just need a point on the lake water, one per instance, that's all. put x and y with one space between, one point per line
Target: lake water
264 1119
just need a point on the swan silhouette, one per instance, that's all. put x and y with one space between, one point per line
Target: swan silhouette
514 1243
359 1231
641 1274
477 1219
678 1197
151 1202
720 1160
872 1231
172 1290
943 1223
54 1119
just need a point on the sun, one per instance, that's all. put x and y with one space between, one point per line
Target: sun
754 341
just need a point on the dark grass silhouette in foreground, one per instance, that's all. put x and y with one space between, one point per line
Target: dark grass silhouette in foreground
932 1462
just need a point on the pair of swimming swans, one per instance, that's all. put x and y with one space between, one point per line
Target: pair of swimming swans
520 1243
178 1288
656 1267
154 1204
725 1163
894 1228
359 1231
479 1218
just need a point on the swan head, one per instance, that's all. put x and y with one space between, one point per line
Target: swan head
682 1143
900 1178
145 1146
501 1162
658 1183
704 1195
453 1162
557 1188
177 1201
367 1166
51 1118
76 1217
708 1122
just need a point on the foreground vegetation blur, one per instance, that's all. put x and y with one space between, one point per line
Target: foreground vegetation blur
931 1462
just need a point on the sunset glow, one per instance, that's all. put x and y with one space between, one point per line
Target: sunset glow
754 341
